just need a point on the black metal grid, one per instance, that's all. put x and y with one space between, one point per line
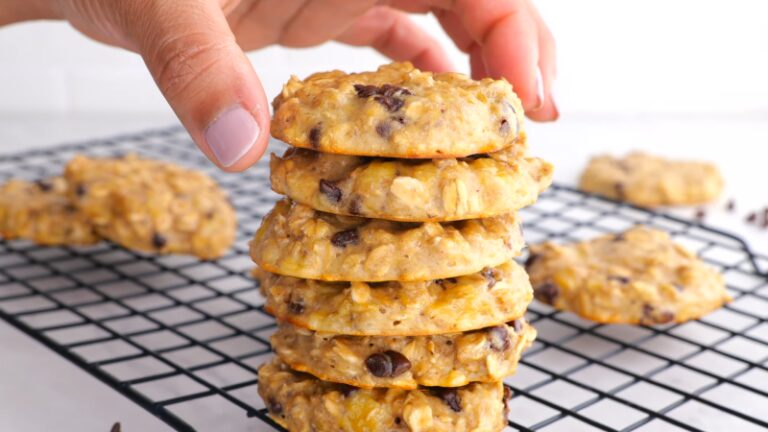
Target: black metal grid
184 338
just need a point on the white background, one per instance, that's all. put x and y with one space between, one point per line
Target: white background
679 77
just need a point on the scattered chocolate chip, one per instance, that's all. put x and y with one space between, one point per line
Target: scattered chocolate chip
386 95
620 279
365 91
274 406
752 217
506 398
398 421
399 119
45 186
504 127
345 389
314 137
354 205
620 190
532 257
384 129
491 275
700 215
344 238
159 241
330 190
443 282
619 237
518 325
387 364
649 317
450 396
546 292
296 306
80 190
116 427
731 205
498 337
392 104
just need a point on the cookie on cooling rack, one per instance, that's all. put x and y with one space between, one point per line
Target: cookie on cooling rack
296 240
398 111
650 181
300 402
423 190
152 206
638 277
41 212
445 360
489 297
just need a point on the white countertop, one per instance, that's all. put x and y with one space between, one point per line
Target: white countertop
41 391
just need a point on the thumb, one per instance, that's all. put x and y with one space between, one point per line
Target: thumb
206 78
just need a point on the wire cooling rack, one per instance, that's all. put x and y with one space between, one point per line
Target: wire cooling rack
184 338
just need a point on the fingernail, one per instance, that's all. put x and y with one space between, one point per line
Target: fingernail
231 135
539 90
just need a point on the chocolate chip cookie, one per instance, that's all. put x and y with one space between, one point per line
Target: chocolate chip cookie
492 296
295 240
152 206
446 360
398 111
638 277
407 190
41 212
650 181
302 403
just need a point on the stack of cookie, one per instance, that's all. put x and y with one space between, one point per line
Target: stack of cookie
390 264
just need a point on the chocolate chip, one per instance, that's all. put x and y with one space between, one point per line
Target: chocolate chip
387 364
386 95
398 421
391 103
314 137
274 406
384 129
365 91
620 190
443 282
45 186
344 238
296 306
399 119
116 427
346 389
159 241
620 279
546 292
450 396
518 325
354 205
498 337
506 398
752 217
330 190
532 257
619 237
731 205
491 275
701 214
649 317
80 190
504 127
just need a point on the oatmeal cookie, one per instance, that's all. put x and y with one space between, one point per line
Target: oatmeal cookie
446 360
489 297
302 403
640 276
295 240
412 190
650 181
398 111
41 212
152 206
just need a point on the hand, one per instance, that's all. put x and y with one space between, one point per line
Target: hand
194 50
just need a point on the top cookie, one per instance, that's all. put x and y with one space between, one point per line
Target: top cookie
398 111
40 211
640 276
152 206
648 180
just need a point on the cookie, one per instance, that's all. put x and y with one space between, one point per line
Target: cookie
398 111
41 212
295 240
445 360
407 190
650 181
302 403
638 277
152 206
489 297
